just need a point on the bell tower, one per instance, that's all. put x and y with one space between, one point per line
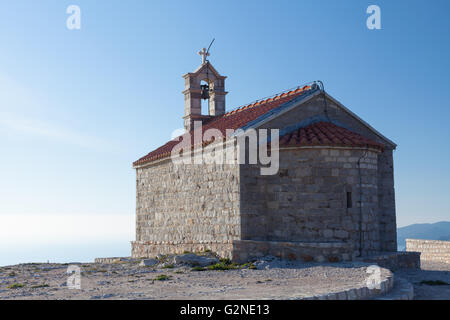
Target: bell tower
194 92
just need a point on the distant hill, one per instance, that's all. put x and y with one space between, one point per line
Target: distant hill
426 231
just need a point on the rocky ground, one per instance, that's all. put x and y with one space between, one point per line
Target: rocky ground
197 277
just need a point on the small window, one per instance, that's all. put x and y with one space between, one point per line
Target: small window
349 199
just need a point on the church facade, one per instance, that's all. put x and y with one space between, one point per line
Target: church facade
331 198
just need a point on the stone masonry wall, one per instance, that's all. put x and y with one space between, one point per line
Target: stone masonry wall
394 260
431 250
187 207
307 200
246 250
386 202
386 193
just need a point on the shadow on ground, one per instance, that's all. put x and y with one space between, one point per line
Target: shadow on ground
431 282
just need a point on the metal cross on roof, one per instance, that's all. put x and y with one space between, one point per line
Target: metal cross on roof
204 54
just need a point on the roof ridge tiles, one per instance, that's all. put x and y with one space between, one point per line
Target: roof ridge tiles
328 134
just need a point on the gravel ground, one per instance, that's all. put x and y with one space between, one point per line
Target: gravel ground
430 271
128 280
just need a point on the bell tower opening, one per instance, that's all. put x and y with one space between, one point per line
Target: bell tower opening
204 87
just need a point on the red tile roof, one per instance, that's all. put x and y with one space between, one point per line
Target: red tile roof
327 134
232 120
317 134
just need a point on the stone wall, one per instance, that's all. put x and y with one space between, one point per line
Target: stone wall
186 207
386 214
199 207
150 249
247 250
394 260
386 201
431 250
307 200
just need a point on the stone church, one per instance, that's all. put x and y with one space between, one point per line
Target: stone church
332 198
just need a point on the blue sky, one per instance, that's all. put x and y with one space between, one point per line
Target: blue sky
77 107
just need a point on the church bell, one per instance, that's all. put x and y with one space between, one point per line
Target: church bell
205 91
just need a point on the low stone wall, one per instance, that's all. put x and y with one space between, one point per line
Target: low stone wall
111 260
149 249
245 250
395 260
363 292
431 250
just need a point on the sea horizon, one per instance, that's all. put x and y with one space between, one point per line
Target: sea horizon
65 252
64 238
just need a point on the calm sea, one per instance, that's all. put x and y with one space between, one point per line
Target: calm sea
62 252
